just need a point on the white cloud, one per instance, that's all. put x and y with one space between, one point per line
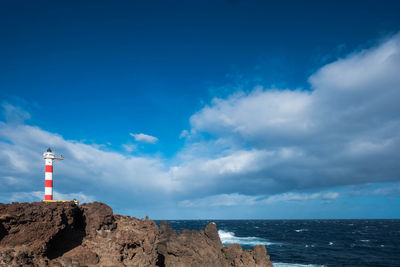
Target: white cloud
22 146
291 197
236 199
144 138
362 71
220 200
381 190
10 180
259 113
343 131
14 114
330 195
184 134
129 147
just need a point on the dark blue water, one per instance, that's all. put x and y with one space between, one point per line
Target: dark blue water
313 242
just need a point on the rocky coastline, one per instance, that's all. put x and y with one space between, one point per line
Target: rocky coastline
66 234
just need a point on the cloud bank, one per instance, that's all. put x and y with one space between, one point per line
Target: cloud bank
344 130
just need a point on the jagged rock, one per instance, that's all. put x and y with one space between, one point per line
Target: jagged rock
260 255
98 216
166 231
212 233
64 234
237 257
46 228
204 248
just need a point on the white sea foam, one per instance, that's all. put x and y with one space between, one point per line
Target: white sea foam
281 264
230 238
301 230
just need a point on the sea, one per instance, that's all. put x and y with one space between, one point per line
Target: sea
312 243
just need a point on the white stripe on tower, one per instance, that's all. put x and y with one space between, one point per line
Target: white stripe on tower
48 178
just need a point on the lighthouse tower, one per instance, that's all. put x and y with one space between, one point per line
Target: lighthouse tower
49 157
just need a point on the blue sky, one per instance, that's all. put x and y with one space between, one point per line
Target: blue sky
204 109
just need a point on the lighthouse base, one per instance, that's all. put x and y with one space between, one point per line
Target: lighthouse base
74 201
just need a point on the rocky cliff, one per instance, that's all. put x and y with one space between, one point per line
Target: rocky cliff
65 234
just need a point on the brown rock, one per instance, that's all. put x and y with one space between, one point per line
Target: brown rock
64 234
166 231
212 233
98 216
46 228
232 252
260 256
81 254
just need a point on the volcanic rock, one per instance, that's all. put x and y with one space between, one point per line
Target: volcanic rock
66 234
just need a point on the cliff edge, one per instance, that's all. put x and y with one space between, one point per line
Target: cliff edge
65 234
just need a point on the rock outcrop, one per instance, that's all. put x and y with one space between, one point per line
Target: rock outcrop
65 234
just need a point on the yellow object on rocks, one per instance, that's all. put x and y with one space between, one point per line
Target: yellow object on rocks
75 201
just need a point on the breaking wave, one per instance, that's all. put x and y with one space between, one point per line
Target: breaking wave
228 238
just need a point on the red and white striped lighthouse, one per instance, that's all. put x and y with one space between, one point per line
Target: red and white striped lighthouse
48 176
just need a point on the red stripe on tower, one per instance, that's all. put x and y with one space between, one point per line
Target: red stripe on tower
48 183
49 168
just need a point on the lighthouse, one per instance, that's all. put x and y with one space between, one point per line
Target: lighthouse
49 157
